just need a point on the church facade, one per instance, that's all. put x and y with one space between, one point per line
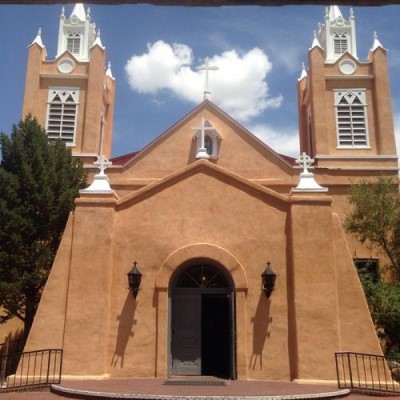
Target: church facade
202 212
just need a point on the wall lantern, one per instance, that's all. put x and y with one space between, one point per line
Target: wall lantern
134 279
268 280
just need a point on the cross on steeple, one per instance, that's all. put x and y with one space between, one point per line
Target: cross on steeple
206 67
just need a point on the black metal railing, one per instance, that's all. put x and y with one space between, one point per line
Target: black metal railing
31 368
367 372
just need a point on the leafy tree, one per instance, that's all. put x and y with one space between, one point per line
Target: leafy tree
375 220
39 181
375 217
384 303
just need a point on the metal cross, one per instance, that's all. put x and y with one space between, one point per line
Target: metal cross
206 67
305 161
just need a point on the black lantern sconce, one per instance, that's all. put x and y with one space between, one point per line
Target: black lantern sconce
134 279
268 280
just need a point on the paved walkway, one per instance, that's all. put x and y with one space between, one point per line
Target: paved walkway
157 389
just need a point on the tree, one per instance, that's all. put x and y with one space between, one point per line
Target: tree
39 181
375 217
384 303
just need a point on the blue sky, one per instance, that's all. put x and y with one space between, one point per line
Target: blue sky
259 52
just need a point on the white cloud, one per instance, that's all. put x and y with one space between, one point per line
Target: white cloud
239 86
285 141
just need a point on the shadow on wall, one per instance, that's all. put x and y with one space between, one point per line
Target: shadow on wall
260 322
125 321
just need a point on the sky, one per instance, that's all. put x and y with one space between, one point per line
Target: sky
155 52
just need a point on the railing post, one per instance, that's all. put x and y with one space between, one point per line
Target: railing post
350 373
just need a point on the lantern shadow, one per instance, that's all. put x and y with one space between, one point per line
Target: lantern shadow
260 321
126 320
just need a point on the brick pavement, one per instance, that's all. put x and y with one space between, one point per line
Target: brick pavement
154 388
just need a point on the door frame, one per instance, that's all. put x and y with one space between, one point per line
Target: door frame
229 291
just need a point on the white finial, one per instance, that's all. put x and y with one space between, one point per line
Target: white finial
351 13
303 72
206 67
315 42
307 182
98 40
38 38
376 42
109 72
88 14
62 12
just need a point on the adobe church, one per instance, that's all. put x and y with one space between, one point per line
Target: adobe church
201 213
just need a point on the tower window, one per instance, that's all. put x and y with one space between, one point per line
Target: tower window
74 42
62 114
351 118
340 43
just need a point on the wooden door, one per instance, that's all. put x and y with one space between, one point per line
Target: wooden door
186 334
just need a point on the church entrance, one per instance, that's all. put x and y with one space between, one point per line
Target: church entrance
202 322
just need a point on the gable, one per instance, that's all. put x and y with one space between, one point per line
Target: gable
239 150
213 172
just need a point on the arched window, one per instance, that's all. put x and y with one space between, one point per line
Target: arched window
351 118
202 275
74 42
62 114
340 43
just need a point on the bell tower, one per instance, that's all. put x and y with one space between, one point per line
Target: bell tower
345 112
72 96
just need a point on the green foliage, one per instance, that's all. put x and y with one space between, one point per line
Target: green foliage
39 181
375 217
384 303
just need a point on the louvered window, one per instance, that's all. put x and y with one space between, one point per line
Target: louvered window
340 43
74 43
62 114
351 118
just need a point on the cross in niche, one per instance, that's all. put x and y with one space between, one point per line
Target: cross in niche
206 67
305 161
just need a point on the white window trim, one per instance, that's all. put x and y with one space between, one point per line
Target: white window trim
338 94
50 98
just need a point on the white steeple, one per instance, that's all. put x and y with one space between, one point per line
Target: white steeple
76 33
337 35
78 12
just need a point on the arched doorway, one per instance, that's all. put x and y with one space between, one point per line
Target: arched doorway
202 321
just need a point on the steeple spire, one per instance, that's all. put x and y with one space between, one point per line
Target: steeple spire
78 12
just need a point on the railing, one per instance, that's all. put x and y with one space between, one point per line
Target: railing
31 368
367 372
